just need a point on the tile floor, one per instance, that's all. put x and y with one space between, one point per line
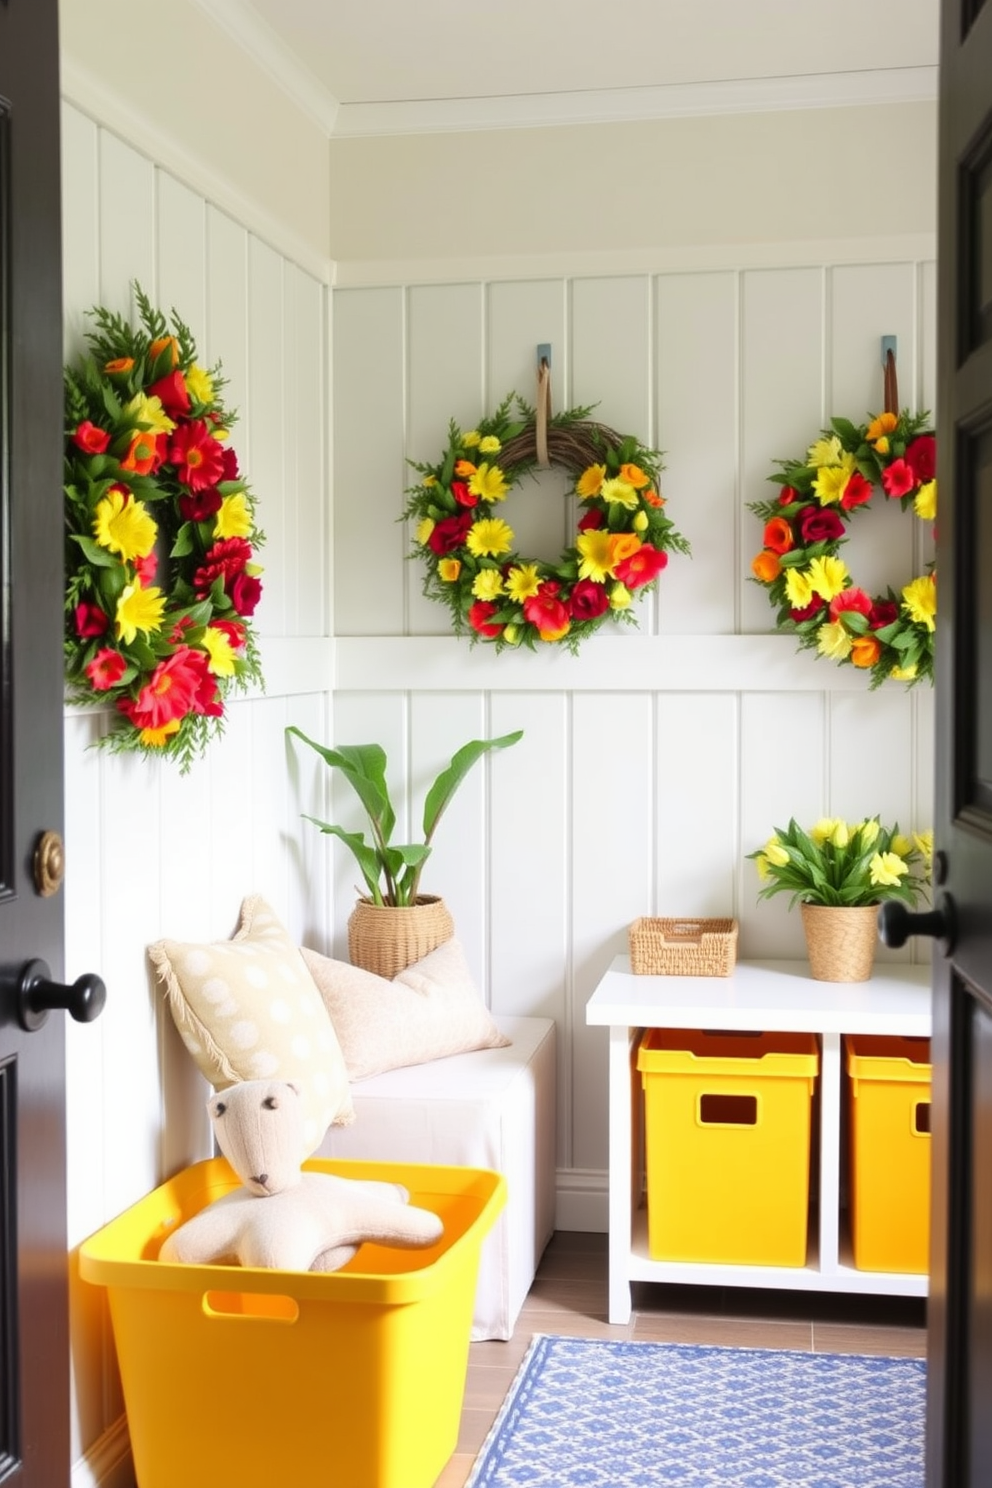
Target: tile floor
569 1296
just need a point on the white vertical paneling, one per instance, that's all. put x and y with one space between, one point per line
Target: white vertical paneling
306 439
522 317
457 869
444 382
127 224
181 253
696 825
781 398
612 871
80 223
783 773
867 301
300 773
226 337
369 462
267 397
697 358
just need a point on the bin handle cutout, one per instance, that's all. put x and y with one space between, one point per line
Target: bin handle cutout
728 1110
251 1307
921 1118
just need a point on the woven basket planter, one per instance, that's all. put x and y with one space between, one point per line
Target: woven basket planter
387 938
840 942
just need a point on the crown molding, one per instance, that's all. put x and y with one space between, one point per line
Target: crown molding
267 49
627 105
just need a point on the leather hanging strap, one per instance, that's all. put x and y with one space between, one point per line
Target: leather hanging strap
891 384
543 412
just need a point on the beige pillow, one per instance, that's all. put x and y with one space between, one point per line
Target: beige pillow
247 1009
426 1012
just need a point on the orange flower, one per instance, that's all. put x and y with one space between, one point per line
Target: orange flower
464 468
778 535
766 567
623 545
141 453
865 651
119 364
884 424
634 476
652 498
160 344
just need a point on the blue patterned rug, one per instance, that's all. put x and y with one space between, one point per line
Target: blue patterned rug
591 1413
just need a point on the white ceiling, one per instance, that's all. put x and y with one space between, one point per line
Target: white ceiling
365 66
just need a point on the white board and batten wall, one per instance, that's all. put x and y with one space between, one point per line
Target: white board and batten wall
651 763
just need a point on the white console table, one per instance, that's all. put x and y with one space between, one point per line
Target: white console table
774 996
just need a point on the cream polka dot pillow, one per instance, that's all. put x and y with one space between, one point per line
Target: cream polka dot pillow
248 1009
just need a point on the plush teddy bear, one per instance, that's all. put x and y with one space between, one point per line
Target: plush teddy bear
282 1217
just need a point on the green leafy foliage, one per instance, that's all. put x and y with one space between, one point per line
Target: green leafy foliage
843 863
392 871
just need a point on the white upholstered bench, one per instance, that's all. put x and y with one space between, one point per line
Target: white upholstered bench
493 1108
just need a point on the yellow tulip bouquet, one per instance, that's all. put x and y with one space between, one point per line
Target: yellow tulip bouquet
844 863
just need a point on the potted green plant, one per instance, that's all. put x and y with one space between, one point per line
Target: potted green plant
839 872
394 924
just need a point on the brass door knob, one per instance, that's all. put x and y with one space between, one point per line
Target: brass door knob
49 864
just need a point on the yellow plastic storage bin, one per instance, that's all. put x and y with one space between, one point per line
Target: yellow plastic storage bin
889 1146
727 1144
352 1379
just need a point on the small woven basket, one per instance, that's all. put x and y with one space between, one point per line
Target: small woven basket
702 948
387 938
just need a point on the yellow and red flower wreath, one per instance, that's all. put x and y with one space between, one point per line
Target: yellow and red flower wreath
813 592
161 578
495 595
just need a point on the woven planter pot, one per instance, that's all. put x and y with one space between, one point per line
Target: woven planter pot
387 939
840 942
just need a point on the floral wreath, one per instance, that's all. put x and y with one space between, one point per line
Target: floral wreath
496 595
814 594
161 581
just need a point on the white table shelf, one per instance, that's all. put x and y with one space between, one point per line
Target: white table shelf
773 996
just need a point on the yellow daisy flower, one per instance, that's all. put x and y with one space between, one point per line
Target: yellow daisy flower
834 641
138 609
488 483
124 526
490 538
488 584
590 482
919 599
522 582
925 502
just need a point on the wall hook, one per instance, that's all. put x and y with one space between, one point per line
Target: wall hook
889 343
543 354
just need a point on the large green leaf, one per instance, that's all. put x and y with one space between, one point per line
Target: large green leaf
450 779
366 858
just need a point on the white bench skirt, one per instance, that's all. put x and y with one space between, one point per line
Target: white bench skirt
493 1108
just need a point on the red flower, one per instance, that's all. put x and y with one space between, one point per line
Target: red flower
146 568
778 535
229 460
589 600
856 492
198 457
883 612
462 494
106 669
197 506
450 533
478 618
244 593
225 560
90 439
547 613
813 608
234 631
170 691
90 620
850 599
819 524
171 393
898 479
641 567
788 496
921 457
591 520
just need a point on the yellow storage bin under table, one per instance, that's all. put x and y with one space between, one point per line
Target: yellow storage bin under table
727 1139
889 1082
348 1379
